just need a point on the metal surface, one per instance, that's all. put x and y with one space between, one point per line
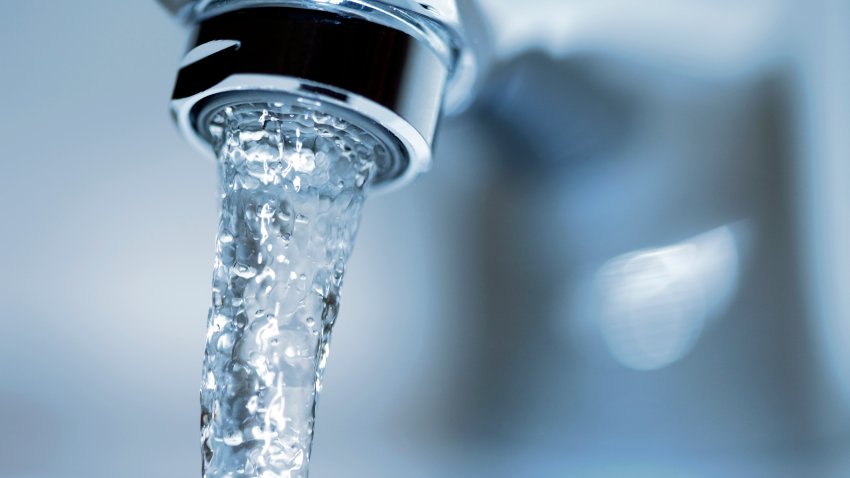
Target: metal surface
455 30
372 70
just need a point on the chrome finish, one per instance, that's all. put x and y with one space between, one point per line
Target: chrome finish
453 29
348 63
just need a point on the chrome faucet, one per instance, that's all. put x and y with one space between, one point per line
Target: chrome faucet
389 66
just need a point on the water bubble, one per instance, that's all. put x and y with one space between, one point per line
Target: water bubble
234 439
245 272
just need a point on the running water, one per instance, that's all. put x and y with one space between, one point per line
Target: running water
292 184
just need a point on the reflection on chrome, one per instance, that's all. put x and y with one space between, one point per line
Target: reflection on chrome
654 303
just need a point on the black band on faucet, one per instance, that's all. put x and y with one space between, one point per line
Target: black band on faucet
339 54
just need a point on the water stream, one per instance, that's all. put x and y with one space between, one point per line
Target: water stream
292 187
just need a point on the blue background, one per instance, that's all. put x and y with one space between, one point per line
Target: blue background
630 259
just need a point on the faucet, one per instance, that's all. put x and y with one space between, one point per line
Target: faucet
390 67
306 103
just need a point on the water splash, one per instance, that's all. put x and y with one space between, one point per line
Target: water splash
292 184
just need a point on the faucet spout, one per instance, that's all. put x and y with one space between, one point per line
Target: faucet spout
383 66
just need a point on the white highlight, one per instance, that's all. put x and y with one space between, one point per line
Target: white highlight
655 302
208 49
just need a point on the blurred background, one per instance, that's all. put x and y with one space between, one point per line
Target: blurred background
631 258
